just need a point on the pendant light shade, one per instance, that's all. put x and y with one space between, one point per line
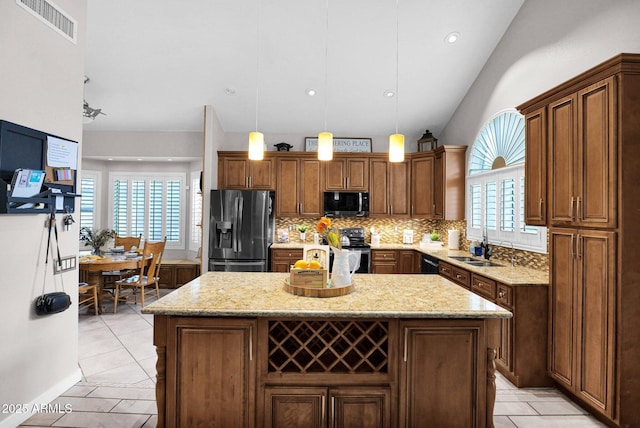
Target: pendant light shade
396 141
325 146
256 145
396 148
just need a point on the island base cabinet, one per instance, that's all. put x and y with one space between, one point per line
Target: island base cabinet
442 377
210 373
327 407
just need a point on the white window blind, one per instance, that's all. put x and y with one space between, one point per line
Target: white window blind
196 213
150 204
89 189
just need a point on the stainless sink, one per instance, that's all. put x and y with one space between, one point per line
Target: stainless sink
482 263
475 262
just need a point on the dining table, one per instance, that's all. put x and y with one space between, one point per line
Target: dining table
92 267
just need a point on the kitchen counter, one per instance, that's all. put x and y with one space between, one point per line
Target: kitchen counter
375 296
235 348
510 275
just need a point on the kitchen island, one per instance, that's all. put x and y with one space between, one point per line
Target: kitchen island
235 349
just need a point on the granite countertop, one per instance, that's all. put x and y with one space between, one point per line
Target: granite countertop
510 275
247 294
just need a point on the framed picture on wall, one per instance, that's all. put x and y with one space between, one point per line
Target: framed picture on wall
340 144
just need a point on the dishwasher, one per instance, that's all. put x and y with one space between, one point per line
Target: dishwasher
428 264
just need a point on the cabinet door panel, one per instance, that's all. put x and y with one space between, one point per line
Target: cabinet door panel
562 147
562 306
506 344
262 175
596 309
535 204
209 359
360 408
438 386
597 154
336 174
358 178
309 194
378 196
295 407
399 188
422 187
287 188
234 173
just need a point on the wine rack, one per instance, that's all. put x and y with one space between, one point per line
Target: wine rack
328 347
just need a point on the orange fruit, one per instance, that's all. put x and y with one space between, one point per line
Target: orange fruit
301 264
313 264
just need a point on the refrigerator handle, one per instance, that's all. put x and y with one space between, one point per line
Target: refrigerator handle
240 223
234 236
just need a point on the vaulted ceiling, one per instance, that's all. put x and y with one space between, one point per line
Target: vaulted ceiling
153 64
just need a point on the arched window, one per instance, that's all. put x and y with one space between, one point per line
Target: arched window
495 184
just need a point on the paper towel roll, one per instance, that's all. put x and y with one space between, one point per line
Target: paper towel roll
454 239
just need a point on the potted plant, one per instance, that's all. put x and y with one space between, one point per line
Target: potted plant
302 228
96 239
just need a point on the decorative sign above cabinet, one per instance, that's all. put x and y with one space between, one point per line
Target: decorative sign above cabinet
340 144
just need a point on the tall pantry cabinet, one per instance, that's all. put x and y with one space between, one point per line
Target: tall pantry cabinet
589 128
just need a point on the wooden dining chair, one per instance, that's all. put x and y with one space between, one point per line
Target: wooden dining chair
88 294
147 276
127 241
110 277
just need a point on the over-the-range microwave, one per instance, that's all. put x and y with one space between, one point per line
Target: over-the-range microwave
346 204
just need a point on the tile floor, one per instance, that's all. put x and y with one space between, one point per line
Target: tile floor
117 389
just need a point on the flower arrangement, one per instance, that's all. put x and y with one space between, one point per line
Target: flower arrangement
96 238
330 234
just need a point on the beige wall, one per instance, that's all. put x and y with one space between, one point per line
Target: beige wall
175 145
548 42
41 82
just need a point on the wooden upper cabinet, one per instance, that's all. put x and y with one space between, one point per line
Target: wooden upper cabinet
347 174
390 184
449 182
422 185
596 204
583 156
236 171
535 174
298 191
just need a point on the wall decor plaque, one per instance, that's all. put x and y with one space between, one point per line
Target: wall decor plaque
340 144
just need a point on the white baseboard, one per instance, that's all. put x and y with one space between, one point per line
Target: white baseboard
46 397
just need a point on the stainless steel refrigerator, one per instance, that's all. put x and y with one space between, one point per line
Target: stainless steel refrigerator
241 230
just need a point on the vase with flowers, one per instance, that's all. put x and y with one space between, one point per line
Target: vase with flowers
340 272
96 239
302 229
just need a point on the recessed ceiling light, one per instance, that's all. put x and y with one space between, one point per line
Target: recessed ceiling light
110 159
452 37
310 92
170 160
389 93
139 159
230 90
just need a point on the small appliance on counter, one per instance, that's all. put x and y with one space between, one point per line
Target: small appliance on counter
407 236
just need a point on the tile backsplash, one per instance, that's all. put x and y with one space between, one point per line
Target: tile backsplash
391 229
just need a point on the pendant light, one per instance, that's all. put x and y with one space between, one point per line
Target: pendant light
396 141
256 139
325 139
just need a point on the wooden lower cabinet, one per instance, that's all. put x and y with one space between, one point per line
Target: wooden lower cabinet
408 261
522 354
324 372
176 273
582 305
384 261
308 407
283 258
434 394
210 375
